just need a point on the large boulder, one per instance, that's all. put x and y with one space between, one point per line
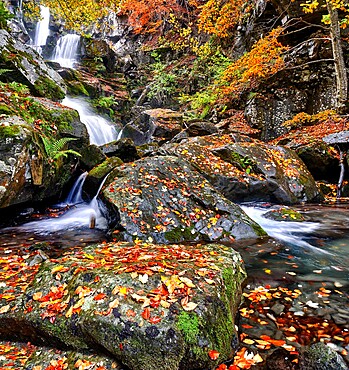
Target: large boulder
29 171
153 125
163 199
150 306
26 356
249 170
25 65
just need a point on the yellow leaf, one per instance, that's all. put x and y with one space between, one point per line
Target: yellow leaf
187 282
4 309
114 303
37 296
190 306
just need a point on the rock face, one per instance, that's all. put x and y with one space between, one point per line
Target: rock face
153 125
249 170
26 66
150 306
163 199
26 173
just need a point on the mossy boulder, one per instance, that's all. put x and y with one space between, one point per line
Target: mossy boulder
284 214
163 199
28 171
27 67
150 306
26 356
246 169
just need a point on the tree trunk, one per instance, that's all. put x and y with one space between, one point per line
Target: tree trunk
340 70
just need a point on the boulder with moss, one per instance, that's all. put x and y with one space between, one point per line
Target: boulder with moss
23 64
163 199
39 146
248 170
150 306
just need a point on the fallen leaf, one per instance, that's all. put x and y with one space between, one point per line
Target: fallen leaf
213 354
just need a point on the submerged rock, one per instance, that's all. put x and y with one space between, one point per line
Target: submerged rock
26 66
319 356
163 199
150 306
249 170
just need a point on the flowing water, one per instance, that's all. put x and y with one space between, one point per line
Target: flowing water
101 130
66 224
316 249
67 50
42 30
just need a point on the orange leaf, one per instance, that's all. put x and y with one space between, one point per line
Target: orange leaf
146 313
213 354
99 296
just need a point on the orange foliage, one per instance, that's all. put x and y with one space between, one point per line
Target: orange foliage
219 17
246 73
148 16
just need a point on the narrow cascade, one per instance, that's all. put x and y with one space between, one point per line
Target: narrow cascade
66 50
77 217
75 194
100 130
288 232
42 30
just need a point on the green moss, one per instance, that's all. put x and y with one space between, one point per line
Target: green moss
4 109
179 234
47 88
102 169
77 88
9 131
188 324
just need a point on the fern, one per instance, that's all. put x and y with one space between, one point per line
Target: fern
54 148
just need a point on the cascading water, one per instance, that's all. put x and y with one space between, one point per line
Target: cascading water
78 216
66 50
42 29
100 130
75 194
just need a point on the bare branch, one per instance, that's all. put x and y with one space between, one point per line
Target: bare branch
310 62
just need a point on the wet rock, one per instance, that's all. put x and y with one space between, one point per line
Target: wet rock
27 67
127 299
123 148
248 170
319 356
163 199
279 360
153 125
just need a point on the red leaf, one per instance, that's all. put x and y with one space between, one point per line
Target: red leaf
155 319
146 313
99 296
213 354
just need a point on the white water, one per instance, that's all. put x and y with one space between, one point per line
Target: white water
75 194
289 232
66 50
42 30
101 131
79 216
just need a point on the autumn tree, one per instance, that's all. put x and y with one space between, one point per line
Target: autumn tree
335 22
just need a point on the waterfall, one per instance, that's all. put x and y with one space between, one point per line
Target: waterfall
75 194
66 50
101 131
42 30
